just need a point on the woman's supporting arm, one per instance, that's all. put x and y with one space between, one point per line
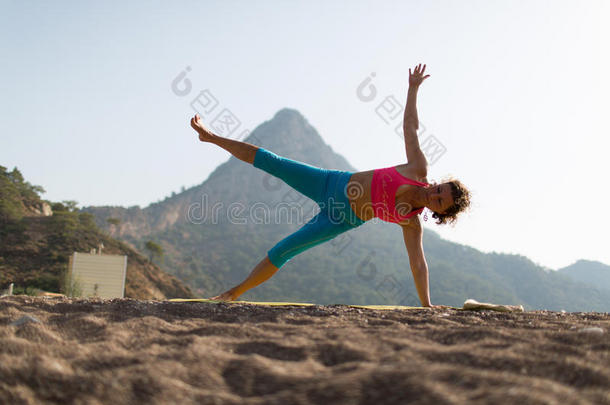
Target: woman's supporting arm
420 275
413 237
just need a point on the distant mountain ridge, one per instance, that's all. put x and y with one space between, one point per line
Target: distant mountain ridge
368 265
592 273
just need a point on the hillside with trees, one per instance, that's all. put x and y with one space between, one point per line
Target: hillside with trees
37 237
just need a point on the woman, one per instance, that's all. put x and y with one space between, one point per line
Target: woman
347 200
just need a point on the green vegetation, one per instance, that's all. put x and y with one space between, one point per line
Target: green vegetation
71 286
113 221
16 196
31 291
114 224
154 250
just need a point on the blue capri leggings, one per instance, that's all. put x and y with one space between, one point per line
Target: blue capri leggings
326 187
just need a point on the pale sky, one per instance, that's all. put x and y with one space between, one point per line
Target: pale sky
517 97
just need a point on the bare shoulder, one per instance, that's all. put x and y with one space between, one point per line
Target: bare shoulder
414 172
418 167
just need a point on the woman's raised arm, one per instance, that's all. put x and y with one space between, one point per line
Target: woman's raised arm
415 156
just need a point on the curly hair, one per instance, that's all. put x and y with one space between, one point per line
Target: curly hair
461 201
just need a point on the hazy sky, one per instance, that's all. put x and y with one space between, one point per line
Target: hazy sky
518 99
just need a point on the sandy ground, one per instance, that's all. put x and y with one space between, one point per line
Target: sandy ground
154 352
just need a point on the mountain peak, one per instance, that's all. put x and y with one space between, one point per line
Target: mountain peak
288 113
289 134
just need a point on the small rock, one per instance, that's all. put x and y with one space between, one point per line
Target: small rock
23 320
594 330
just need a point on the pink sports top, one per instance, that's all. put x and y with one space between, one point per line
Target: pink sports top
383 195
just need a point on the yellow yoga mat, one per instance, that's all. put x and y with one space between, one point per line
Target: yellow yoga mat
470 304
382 307
300 304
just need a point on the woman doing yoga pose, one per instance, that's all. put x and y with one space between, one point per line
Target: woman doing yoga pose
348 199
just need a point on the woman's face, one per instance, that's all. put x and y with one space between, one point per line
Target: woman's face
439 197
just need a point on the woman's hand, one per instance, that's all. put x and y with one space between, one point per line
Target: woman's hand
417 77
440 307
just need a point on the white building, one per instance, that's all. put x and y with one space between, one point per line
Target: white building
98 275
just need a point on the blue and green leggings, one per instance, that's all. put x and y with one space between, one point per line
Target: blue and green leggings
326 187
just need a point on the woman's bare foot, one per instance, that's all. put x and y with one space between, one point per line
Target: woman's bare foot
226 296
205 135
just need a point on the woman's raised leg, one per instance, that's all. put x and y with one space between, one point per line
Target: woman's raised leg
241 150
306 179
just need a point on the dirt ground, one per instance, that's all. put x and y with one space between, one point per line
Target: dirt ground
125 351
